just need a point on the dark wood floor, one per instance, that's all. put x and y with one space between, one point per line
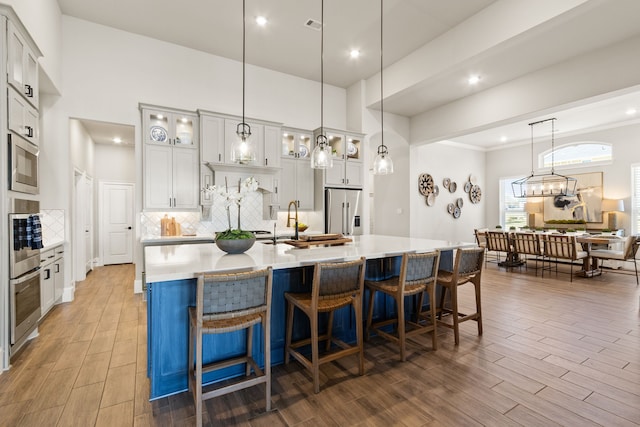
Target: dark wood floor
552 353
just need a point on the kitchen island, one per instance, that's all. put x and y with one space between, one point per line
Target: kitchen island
170 273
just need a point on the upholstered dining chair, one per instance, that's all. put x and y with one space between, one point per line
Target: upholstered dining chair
467 268
418 273
628 252
334 285
562 246
227 303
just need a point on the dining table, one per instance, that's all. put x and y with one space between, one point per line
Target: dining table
590 266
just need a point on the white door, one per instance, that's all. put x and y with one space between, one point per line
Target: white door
116 208
88 223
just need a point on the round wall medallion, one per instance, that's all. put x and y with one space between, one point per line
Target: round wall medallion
475 194
425 184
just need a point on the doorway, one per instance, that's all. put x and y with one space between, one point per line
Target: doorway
115 207
83 225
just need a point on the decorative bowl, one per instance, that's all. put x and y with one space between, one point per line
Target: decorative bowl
235 246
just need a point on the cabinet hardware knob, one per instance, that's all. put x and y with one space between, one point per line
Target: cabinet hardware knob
219 157
29 131
28 91
129 228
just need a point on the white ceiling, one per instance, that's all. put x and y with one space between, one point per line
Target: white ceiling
104 132
286 45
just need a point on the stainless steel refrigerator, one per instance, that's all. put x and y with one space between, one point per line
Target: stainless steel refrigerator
342 211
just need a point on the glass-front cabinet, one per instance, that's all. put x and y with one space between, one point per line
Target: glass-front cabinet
171 128
296 143
347 150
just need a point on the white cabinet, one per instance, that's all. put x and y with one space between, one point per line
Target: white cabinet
171 177
47 281
58 273
22 65
348 156
296 143
296 183
271 146
171 162
176 128
23 117
212 148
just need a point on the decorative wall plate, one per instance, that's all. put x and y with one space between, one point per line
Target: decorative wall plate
303 150
158 134
436 190
352 150
475 194
425 184
456 212
459 202
473 180
450 208
453 187
446 182
431 199
467 186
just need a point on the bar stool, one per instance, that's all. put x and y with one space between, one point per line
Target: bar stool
227 303
334 285
418 273
467 268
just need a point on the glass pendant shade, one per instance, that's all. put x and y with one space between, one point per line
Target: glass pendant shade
382 164
321 157
242 150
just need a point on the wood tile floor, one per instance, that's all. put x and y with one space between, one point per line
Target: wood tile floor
552 353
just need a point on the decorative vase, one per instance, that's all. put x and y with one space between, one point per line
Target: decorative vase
235 246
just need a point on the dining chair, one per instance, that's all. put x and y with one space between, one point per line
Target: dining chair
562 247
528 244
227 303
628 252
418 273
467 268
335 285
498 242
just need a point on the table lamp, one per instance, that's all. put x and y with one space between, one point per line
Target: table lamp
612 206
532 208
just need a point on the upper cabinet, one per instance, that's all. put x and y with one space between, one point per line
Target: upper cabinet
347 149
212 148
23 117
296 143
22 65
178 129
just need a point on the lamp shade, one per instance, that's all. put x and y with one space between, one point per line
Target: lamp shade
533 207
613 205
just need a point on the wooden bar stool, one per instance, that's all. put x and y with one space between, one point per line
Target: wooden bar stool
418 273
467 268
334 285
227 303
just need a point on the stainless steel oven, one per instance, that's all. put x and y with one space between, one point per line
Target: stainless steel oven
24 270
23 165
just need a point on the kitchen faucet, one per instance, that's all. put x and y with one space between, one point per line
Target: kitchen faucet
295 205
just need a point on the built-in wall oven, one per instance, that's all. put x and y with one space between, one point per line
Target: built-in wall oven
23 165
24 271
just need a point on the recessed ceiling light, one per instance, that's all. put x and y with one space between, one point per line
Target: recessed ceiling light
503 139
117 140
473 80
631 111
261 20
355 53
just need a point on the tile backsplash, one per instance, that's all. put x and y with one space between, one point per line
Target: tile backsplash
52 221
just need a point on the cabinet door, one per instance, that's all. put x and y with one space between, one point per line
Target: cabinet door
47 292
185 132
58 276
15 58
157 127
304 184
354 174
272 146
256 140
158 177
335 175
212 139
287 181
186 176
31 120
31 86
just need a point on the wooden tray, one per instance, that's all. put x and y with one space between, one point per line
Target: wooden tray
314 237
306 244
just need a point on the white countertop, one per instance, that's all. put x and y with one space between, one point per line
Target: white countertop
177 262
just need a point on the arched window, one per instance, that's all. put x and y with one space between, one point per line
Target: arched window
577 154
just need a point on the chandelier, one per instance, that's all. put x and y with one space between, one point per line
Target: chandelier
544 185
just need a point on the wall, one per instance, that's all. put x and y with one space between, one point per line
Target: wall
516 162
81 148
444 160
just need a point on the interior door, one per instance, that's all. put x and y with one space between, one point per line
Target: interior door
82 252
117 223
88 223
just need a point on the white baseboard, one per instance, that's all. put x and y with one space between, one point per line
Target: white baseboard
68 294
137 286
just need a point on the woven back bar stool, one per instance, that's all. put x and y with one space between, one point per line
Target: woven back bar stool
334 285
467 268
418 273
227 303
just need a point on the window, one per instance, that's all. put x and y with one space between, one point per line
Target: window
580 154
635 198
511 208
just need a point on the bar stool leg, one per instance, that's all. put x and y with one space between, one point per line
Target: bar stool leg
315 363
199 378
401 326
287 347
431 289
329 330
249 349
266 332
372 295
476 284
454 313
357 308
191 378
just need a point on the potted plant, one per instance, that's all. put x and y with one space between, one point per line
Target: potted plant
234 241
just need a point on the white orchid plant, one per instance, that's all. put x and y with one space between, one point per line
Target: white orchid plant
233 197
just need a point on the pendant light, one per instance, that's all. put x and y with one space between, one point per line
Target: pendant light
382 164
242 150
321 157
544 185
